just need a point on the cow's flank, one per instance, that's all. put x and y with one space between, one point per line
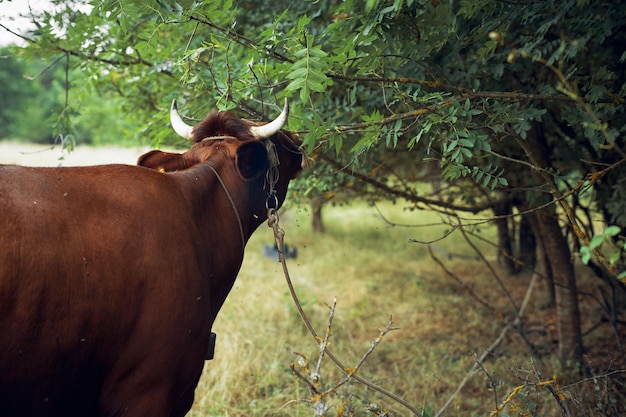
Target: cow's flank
111 276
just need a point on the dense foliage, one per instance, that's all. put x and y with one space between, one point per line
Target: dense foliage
518 106
29 99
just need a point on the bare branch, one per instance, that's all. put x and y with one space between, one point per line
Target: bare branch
490 267
466 287
324 343
279 235
476 208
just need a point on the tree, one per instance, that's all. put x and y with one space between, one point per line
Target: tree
37 109
521 104
31 92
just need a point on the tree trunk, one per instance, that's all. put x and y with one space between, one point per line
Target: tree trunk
527 244
566 294
316 211
542 263
557 253
505 245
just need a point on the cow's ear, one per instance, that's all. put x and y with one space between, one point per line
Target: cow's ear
162 161
251 160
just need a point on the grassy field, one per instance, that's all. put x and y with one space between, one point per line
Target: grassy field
375 272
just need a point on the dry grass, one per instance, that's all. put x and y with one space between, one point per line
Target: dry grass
376 273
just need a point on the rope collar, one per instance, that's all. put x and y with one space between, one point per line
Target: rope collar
271 178
218 138
232 203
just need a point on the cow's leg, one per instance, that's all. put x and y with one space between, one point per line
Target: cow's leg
125 399
153 404
150 396
184 403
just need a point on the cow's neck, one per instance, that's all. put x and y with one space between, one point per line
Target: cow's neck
216 188
223 206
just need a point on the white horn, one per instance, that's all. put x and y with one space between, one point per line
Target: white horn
267 130
180 127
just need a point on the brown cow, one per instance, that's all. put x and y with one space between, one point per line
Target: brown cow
111 276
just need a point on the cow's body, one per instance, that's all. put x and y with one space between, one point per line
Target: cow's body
111 277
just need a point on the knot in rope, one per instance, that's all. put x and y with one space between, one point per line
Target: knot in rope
279 234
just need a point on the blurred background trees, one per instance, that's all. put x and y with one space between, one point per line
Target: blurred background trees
30 97
513 111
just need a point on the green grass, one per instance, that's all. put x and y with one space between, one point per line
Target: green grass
374 272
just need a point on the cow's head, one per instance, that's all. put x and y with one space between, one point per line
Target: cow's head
259 151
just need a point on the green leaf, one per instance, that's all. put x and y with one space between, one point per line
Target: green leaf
486 180
585 254
455 155
296 84
317 52
308 71
338 142
298 73
315 86
415 139
467 105
596 241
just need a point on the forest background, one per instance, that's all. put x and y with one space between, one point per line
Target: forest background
512 112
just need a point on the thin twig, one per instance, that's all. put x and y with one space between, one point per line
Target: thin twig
279 235
462 284
492 383
490 267
375 342
324 343
305 367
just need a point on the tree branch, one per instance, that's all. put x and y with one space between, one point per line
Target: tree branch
239 38
476 208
